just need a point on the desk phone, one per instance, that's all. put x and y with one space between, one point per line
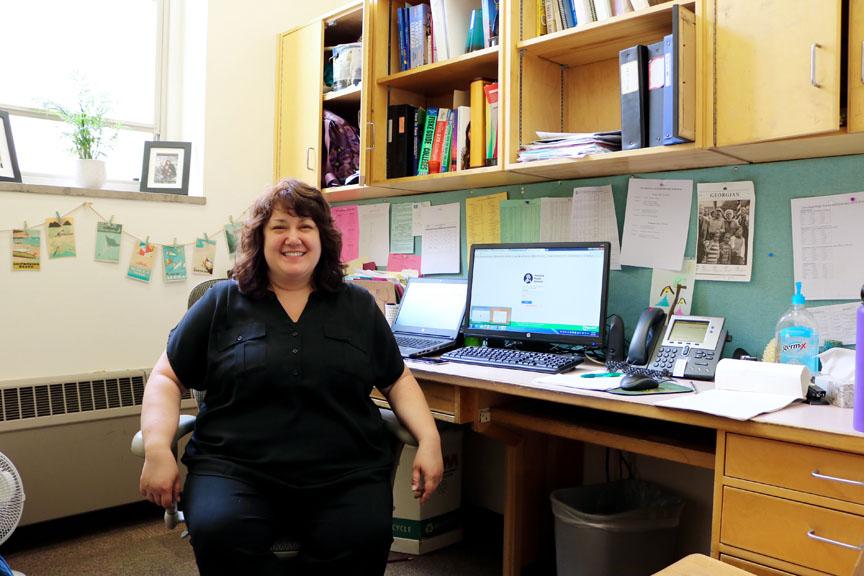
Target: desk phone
691 347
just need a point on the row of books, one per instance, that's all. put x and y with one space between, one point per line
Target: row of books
658 87
444 29
556 15
436 139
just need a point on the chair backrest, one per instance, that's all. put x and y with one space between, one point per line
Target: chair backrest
200 289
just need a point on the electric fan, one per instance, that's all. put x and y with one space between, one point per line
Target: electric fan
11 504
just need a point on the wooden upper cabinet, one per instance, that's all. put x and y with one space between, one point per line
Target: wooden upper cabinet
856 66
299 106
777 69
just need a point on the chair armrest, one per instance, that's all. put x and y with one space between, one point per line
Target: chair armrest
391 422
184 427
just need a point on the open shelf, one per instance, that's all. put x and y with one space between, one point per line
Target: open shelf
350 94
484 177
439 77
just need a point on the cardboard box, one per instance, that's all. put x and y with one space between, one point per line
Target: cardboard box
421 528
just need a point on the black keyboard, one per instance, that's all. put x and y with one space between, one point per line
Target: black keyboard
415 341
515 359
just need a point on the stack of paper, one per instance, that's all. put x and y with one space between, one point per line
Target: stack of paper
745 389
570 145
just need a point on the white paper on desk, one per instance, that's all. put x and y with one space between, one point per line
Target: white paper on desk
655 223
441 247
555 219
575 381
593 218
836 322
827 243
729 403
374 222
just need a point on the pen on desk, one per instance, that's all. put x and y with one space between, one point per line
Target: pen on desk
603 375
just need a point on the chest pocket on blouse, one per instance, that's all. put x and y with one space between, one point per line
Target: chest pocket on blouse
344 350
244 346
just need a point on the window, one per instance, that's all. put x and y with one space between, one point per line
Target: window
53 48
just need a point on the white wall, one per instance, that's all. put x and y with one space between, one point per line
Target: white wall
78 316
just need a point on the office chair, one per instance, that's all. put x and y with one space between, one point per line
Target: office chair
284 548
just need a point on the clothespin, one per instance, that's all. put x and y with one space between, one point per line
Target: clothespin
231 220
206 238
26 229
111 219
522 190
147 241
174 244
58 216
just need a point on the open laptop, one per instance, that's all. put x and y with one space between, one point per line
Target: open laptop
430 315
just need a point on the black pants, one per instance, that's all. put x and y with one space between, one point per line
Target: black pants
232 524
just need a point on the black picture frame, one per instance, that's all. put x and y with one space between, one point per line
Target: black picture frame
165 168
9 171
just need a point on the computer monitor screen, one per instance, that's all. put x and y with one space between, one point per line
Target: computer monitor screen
548 292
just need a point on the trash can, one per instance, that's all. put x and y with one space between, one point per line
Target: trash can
625 528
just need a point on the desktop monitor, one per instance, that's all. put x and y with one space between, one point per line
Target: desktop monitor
551 292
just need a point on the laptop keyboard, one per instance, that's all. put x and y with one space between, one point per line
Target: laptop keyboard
415 341
515 359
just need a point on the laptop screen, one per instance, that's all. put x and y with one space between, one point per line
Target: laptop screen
432 306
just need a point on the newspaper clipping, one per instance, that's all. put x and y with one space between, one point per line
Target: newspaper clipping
724 247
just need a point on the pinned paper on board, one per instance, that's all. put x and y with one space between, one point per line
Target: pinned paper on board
724 234
666 283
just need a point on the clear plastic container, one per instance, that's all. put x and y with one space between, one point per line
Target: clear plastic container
347 65
797 335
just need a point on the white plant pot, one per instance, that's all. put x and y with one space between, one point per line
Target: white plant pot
90 173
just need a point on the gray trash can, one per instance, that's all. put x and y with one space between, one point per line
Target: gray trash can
624 528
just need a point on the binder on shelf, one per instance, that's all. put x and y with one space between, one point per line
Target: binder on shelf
391 144
656 83
679 98
634 97
478 123
474 40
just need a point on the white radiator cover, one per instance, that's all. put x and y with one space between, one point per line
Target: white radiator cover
69 439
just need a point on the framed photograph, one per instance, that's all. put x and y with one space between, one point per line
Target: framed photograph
8 161
166 167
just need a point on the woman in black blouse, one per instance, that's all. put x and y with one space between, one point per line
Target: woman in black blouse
287 436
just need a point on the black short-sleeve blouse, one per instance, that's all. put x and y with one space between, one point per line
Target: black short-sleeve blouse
286 401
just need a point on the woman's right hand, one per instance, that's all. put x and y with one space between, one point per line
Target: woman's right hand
160 478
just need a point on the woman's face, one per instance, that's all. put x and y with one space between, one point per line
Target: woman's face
292 248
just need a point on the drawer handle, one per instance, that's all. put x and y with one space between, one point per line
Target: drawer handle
812 534
816 474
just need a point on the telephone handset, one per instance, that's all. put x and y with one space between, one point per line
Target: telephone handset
645 337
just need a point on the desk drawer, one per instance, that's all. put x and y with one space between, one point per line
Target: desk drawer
793 465
778 528
440 397
752 567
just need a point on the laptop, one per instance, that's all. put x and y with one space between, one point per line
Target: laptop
430 315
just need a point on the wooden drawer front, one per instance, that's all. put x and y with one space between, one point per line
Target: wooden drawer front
753 568
792 466
778 528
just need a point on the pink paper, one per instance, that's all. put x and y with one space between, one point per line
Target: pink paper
347 222
399 262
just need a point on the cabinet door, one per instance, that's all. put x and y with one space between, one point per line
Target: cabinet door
856 66
366 139
299 111
777 66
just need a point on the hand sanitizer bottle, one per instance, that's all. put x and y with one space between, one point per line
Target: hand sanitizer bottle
797 335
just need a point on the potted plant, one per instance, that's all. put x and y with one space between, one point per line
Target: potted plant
90 135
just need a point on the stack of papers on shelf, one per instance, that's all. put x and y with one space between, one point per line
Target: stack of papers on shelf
745 389
551 145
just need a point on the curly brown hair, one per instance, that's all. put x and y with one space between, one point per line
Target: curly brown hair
250 269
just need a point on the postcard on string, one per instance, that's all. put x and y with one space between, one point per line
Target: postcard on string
108 236
26 246
141 262
666 284
174 263
204 256
60 237
232 237
724 235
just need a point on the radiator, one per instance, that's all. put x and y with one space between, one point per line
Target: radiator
69 439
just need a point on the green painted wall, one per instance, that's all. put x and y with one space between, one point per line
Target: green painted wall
751 309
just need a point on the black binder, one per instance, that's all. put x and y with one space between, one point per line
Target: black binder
656 82
634 97
679 99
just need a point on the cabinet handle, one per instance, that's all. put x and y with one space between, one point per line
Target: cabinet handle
370 137
308 150
812 534
816 474
813 82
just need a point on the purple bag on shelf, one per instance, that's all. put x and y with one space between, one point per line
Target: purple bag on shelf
341 151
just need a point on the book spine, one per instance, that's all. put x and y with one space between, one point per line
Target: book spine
541 28
436 156
426 145
478 123
391 156
403 46
462 150
448 142
416 140
491 92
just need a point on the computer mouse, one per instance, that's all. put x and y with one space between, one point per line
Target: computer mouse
635 383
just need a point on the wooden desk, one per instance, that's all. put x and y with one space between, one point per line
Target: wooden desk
766 497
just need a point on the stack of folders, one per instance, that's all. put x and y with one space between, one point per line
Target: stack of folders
550 145
658 87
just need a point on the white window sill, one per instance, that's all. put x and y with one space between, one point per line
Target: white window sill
64 190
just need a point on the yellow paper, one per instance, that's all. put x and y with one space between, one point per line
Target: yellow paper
483 219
